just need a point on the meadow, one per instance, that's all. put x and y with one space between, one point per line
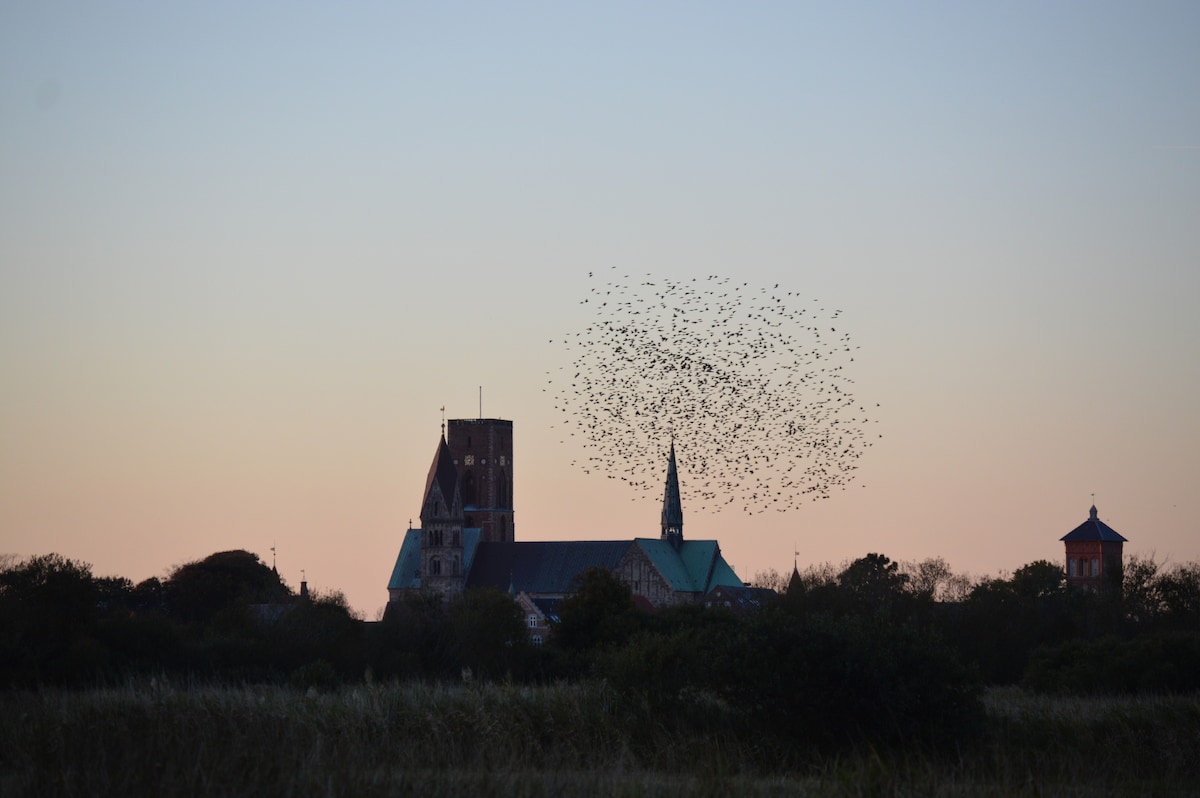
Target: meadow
165 738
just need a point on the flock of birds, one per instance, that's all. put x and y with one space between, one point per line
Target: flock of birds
749 383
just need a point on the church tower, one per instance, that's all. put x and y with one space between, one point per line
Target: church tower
1094 551
481 449
672 510
441 569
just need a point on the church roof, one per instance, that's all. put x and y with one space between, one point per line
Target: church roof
443 472
693 566
406 573
742 599
540 567
548 607
1093 529
548 567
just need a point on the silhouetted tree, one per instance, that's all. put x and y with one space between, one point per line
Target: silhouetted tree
1039 579
225 582
599 613
48 606
872 585
932 580
487 635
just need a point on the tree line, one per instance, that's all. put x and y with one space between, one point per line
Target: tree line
873 649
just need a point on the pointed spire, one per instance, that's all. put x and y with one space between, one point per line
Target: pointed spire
441 486
672 511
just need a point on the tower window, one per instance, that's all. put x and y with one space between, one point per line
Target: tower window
435 566
504 496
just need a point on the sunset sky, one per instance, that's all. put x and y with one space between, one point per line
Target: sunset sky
249 250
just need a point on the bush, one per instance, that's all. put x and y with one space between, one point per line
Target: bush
830 682
1163 663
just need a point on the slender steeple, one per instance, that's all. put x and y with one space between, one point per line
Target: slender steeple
672 511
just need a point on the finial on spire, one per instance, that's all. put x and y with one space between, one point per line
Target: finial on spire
443 408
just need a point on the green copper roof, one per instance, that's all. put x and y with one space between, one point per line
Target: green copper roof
406 574
696 566
408 563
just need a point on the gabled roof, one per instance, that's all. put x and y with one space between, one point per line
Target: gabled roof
696 566
548 607
406 571
540 567
443 473
1093 529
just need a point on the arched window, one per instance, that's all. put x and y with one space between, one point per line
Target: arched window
468 489
435 566
502 499
1095 566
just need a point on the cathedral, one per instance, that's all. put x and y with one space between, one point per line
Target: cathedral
466 538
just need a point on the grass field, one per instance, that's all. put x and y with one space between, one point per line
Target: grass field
158 738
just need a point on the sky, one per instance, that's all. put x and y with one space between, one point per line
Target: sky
249 251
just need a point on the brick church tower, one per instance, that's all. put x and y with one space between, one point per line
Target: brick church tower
1094 551
481 449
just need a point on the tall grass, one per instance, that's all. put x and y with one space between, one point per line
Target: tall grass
158 738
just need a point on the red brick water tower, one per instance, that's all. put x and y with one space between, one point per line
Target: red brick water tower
1093 553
